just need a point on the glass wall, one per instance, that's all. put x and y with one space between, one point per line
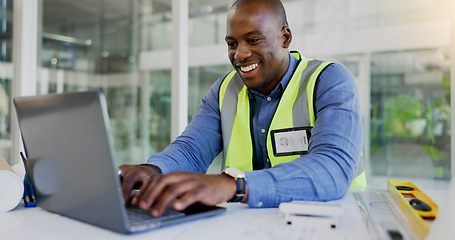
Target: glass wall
410 114
6 32
400 55
6 74
90 45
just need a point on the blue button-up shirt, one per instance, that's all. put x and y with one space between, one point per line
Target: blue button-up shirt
325 173
263 108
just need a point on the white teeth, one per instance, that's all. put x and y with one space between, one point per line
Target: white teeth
249 68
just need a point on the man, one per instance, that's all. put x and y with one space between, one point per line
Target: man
269 92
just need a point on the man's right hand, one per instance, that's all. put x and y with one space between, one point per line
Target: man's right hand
135 174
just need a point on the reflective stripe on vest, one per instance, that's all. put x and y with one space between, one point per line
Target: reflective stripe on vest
296 104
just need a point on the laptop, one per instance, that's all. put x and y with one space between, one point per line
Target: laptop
71 162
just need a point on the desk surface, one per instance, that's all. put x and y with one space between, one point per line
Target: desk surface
238 222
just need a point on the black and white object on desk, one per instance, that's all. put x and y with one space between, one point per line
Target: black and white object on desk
311 214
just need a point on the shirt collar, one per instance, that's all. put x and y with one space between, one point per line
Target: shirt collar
284 81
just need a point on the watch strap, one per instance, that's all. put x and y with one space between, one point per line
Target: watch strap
240 193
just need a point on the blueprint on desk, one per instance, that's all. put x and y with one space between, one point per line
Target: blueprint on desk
241 222
270 224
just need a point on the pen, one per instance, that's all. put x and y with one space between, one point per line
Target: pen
29 195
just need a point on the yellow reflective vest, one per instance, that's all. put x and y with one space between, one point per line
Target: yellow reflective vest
235 114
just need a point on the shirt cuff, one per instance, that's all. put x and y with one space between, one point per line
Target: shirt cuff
160 164
261 189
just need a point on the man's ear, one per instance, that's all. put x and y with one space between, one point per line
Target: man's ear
287 36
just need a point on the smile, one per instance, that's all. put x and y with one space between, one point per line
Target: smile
249 67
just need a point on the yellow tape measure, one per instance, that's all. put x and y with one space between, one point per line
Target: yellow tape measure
419 209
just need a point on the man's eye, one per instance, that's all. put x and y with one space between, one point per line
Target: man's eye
253 40
231 44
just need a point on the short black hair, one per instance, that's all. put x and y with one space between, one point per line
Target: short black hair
273 5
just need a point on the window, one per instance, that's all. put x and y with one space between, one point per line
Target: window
6 74
90 45
410 114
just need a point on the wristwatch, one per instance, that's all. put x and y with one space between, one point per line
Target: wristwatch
239 177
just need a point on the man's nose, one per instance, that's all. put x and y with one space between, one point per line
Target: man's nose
242 53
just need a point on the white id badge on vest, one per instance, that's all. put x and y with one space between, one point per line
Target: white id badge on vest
290 141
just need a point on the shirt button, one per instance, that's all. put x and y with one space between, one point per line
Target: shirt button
262 130
268 160
269 99
260 204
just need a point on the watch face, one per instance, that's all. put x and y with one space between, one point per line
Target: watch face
234 173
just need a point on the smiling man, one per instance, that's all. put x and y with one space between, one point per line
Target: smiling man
289 127
257 48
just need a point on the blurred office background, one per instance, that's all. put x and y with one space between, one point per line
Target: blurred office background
401 53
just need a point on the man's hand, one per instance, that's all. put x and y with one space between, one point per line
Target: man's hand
186 188
136 174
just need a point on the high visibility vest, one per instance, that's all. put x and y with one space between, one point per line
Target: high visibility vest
295 109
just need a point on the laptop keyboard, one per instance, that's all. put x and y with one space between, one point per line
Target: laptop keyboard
139 216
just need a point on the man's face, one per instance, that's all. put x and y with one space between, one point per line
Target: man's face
257 46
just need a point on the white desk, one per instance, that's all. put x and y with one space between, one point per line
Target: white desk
238 222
